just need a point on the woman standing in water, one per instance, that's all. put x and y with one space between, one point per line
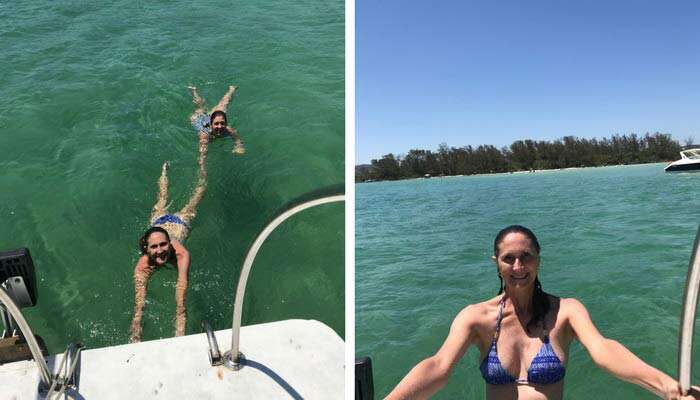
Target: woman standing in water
162 244
523 335
214 124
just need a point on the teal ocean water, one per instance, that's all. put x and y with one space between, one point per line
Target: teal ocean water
617 238
94 100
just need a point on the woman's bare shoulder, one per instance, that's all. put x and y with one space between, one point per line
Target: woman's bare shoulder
569 302
142 265
479 313
570 306
178 247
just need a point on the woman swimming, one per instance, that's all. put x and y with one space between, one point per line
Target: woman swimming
162 244
523 335
214 124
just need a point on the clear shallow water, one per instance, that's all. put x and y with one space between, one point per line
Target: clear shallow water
94 100
617 238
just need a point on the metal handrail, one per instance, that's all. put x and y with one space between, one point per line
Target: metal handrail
12 308
63 379
690 302
233 356
214 353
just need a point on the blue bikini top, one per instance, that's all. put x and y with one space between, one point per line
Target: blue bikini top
544 369
174 219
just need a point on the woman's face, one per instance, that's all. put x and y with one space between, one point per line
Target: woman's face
218 124
517 260
158 249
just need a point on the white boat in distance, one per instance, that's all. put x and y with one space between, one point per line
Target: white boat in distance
690 161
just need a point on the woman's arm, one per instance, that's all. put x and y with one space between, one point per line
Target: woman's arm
203 138
431 374
142 272
615 358
237 142
183 267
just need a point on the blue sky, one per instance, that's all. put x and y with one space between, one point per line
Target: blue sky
492 72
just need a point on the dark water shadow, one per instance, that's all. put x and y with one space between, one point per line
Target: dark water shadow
272 374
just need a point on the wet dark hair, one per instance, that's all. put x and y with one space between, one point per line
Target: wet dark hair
540 299
143 240
515 229
216 114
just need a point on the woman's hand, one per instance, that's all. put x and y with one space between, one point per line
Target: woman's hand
238 149
671 390
693 393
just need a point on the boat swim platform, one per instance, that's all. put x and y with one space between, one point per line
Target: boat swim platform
298 359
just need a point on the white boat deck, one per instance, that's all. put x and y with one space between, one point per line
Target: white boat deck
298 359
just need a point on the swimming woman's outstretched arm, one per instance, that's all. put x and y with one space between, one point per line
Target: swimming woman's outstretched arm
142 272
237 142
617 359
431 374
183 268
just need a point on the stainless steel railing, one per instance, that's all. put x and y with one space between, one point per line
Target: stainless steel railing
12 308
233 357
66 372
690 302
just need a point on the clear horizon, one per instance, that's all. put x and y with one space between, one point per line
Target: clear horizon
472 74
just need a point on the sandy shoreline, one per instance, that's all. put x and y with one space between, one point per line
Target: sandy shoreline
515 172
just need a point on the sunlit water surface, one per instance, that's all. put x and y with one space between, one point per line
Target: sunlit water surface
94 100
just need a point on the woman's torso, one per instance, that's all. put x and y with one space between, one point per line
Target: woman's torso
516 348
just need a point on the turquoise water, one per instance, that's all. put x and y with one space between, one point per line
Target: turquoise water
617 238
94 100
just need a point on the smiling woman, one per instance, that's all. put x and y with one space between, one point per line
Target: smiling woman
160 245
524 334
214 124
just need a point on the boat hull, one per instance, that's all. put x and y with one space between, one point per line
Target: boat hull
690 167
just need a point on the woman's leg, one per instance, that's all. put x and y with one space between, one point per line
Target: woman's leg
160 208
189 211
223 103
197 100
198 103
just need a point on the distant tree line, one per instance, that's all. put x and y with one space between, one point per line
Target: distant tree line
522 155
